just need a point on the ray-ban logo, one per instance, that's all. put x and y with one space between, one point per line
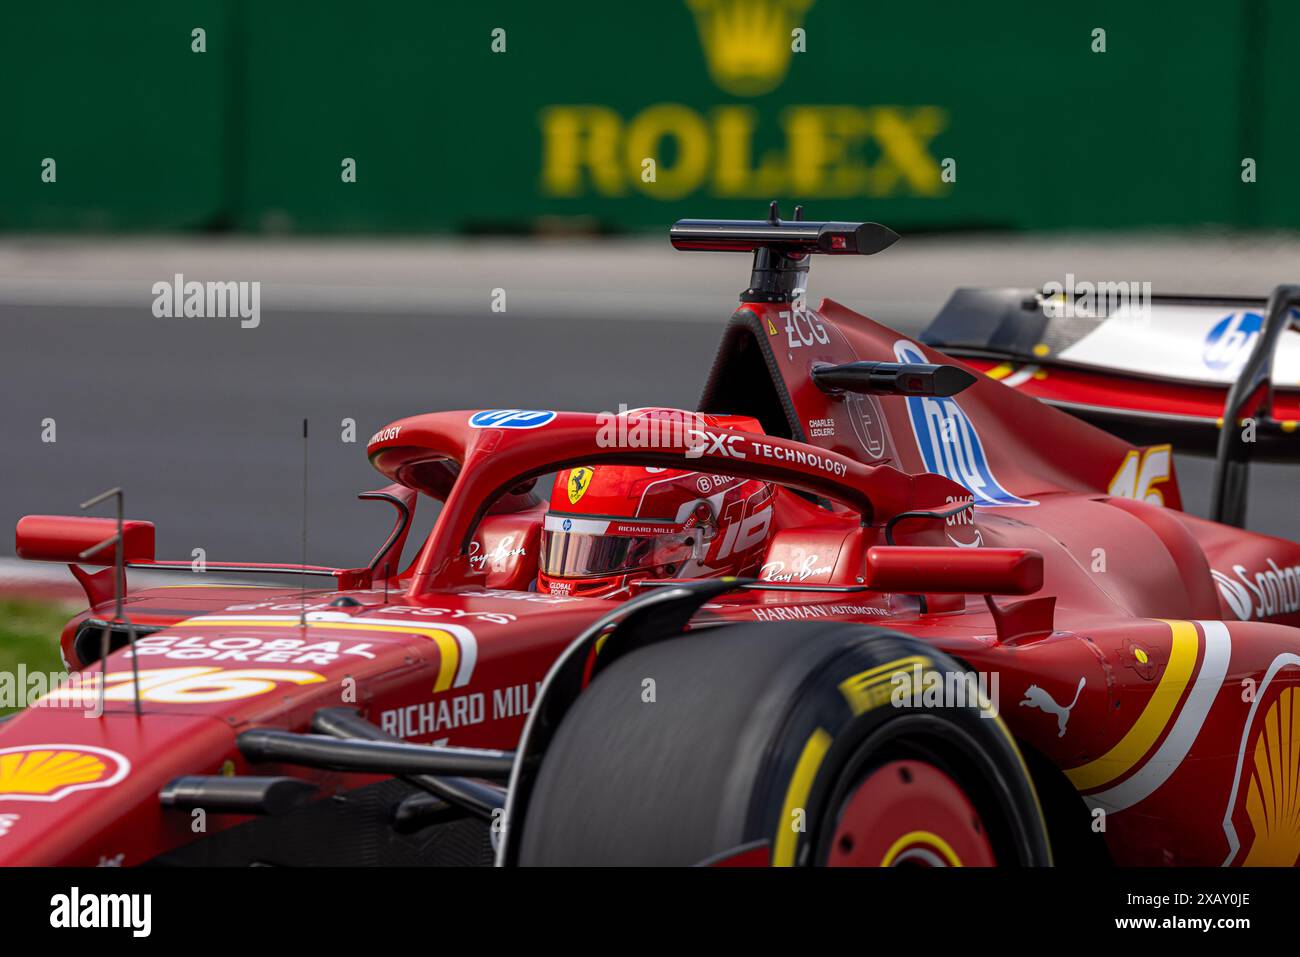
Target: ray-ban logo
178 299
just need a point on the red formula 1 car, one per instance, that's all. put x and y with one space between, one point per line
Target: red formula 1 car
981 630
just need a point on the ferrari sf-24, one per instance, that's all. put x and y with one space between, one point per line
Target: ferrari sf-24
879 600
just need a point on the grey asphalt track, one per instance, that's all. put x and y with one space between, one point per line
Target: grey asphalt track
200 421
201 424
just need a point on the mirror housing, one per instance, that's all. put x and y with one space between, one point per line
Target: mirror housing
911 569
64 538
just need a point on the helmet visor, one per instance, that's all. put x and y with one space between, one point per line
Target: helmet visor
581 554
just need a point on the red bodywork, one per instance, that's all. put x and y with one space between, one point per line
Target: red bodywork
1153 664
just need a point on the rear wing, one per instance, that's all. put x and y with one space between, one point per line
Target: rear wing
1149 369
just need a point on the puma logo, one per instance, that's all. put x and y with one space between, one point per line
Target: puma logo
1036 697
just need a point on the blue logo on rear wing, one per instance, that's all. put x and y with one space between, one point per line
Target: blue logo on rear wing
949 444
511 419
1231 340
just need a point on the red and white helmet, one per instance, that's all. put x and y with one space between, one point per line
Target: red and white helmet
609 526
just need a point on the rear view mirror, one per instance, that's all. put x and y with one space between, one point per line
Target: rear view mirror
904 569
65 538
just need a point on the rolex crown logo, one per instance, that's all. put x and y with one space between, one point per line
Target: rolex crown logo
747 43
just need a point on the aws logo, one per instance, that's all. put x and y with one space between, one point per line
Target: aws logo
748 43
49 772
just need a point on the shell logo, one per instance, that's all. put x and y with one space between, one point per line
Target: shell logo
1273 797
50 772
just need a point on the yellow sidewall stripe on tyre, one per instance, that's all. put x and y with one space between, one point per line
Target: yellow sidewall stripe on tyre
992 715
860 690
796 797
856 690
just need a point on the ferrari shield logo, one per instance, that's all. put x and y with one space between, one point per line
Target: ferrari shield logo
579 481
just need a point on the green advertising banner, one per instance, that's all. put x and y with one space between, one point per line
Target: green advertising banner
415 118
110 121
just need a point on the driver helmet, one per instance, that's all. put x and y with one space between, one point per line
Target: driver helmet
610 526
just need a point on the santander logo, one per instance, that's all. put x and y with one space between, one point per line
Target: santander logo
1267 594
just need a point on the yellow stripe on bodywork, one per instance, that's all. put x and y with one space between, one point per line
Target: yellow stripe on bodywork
796 797
448 648
1154 717
1001 371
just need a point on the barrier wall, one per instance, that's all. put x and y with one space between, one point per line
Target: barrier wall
922 115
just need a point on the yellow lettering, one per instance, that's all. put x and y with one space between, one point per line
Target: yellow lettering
830 151
733 174
578 138
905 156
684 125
824 155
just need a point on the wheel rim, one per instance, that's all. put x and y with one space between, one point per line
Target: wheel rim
909 814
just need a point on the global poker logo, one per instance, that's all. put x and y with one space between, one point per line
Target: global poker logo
949 444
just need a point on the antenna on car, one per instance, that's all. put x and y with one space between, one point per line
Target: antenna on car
781 248
119 590
302 614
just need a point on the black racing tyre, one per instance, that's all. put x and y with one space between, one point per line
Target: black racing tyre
779 743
